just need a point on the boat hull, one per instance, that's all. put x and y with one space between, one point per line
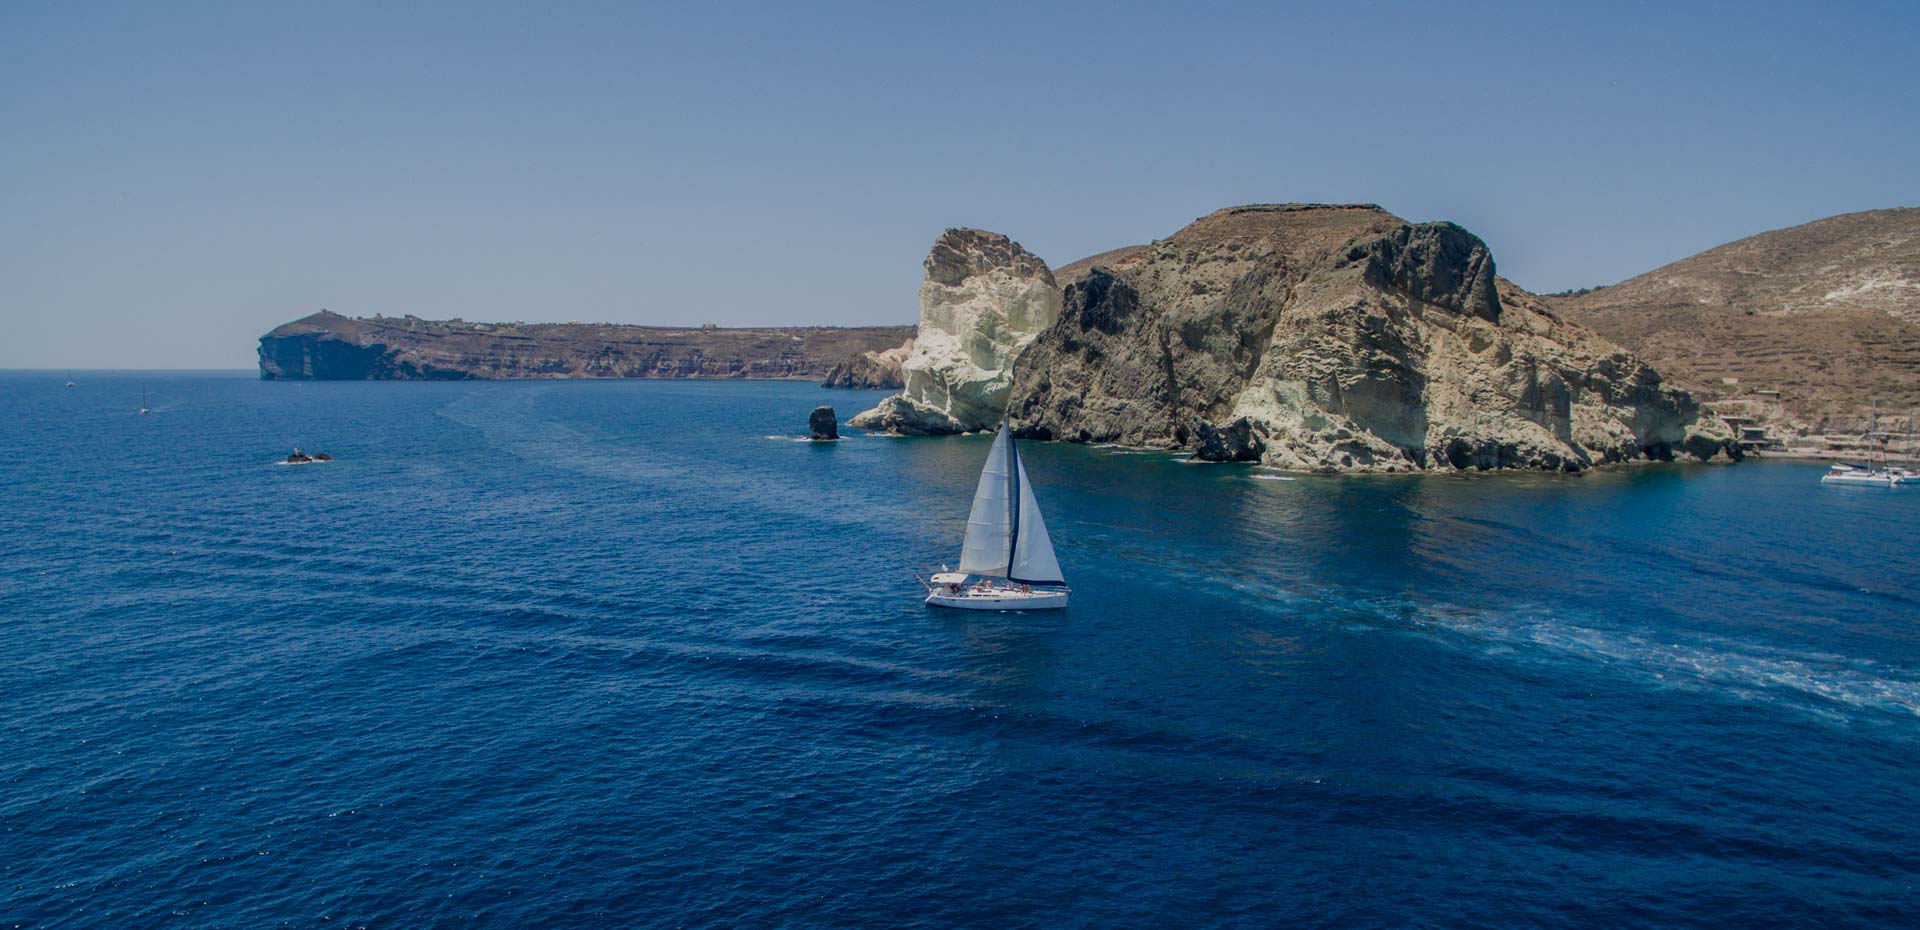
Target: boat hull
999 600
1860 480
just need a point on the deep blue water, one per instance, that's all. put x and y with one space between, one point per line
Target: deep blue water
597 654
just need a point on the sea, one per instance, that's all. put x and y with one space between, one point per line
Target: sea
633 654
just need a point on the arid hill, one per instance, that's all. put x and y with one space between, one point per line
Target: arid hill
1827 314
329 347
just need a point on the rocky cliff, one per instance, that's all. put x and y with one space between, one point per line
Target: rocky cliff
330 347
871 370
1827 314
1341 338
983 302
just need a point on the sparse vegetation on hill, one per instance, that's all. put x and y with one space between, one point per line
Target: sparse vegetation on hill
1826 313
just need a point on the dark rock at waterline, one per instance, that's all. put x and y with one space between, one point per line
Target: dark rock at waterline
823 424
1234 442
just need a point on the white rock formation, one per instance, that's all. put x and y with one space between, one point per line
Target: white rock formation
984 301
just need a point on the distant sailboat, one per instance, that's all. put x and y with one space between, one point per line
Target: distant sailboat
1869 476
143 401
70 379
1007 561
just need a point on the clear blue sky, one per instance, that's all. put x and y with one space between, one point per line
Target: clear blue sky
178 178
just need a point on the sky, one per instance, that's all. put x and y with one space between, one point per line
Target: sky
178 178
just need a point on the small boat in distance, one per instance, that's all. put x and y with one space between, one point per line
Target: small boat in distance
70 379
1847 474
1007 561
303 458
1863 476
143 401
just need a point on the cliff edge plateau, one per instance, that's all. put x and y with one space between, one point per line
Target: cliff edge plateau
330 347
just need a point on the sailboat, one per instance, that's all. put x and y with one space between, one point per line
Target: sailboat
70 379
1007 561
143 401
1848 474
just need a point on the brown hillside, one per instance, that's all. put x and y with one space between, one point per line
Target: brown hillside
1827 313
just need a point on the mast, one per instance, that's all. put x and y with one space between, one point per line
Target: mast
1873 430
1013 494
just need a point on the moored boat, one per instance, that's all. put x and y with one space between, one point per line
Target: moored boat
1870 475
1843 473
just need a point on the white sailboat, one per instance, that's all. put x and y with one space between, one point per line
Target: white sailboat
143 401
1007 561
1868 476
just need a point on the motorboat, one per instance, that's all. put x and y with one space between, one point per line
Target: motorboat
306 458
1843 473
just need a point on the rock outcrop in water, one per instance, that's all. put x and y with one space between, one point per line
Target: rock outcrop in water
1341 338
330 347
984 300
874 370
823 425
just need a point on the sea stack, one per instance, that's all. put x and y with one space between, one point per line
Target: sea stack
984 300
823 424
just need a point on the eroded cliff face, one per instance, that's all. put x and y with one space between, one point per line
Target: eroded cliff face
1341 338
984 300
873 370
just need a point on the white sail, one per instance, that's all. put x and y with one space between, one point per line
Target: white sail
1033 559
1006 536
990 524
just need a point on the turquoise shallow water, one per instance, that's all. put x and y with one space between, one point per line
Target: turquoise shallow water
623 654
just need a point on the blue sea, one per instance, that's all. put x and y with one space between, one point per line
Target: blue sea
627 654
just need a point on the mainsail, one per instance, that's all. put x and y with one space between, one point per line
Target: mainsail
1006 536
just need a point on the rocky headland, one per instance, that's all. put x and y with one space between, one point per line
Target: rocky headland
330 347
1313 337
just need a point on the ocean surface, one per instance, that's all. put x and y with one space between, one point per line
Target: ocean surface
625 654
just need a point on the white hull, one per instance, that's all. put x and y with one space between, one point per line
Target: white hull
1859 480
997 599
